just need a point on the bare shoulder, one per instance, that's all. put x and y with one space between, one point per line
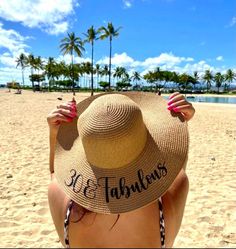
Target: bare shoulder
175 199
58 202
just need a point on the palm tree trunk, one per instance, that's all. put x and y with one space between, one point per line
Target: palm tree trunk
73 81
97 79
92 73
32 80
110 64
22 72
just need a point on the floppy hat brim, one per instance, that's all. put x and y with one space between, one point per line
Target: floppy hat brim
135 185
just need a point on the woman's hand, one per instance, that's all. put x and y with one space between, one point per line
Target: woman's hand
63 113
178 103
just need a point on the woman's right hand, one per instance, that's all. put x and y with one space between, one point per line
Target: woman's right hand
63 113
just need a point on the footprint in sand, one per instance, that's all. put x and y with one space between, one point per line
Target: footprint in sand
42 211
45 232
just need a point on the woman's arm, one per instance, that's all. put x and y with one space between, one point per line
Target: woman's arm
52 144
64 113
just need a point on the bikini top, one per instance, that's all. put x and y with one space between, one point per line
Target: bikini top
67 219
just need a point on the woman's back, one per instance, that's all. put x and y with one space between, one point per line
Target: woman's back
138 228
120 153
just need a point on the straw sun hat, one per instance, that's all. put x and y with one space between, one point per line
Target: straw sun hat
122 152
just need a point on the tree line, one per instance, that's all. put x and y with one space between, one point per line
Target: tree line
59 74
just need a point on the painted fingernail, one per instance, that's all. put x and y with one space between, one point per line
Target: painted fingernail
74 114
69 119
175 109
169 102
169 108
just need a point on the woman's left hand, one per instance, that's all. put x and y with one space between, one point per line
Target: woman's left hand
178 103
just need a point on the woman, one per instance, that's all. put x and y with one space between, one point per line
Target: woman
100 213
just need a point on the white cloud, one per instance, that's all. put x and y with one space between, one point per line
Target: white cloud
165 58
220 58
7 60
121 60
166 61
233 21
48 15
12 40
67 59
9 74
57 28
127 3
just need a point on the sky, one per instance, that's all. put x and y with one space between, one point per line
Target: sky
175 35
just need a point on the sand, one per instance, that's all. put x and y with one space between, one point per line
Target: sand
25 221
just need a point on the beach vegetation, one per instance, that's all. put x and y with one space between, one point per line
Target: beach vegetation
70 45
54 75
104 85
109 32
91 36
22 62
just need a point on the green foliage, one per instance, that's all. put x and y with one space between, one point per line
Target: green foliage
104 84
123 84
37 77
109 32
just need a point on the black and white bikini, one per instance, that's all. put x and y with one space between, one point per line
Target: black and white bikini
67 219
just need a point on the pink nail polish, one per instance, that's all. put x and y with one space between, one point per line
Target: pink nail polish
169 108
169 102
176 109
74 114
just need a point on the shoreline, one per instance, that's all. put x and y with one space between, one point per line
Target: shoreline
25 218
163 94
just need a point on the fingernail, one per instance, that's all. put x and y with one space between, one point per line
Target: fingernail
169 108
69 119
170 102
175 109
74 114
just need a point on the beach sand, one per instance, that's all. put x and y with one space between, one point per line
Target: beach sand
25 221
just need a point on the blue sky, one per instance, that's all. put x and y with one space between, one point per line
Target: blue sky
176 35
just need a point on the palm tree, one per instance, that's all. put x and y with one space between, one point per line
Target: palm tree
69 45
174 77
229 77
123 73
50 71
183 81
21 61
155 77
136 77
98 71
208 77
118 73
30 61
110 32
196 77
91 37
38 65
105 71
218 78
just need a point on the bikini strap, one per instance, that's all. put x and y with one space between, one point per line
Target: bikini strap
66 224
162 224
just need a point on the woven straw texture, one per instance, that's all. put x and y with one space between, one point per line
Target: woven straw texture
122 152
